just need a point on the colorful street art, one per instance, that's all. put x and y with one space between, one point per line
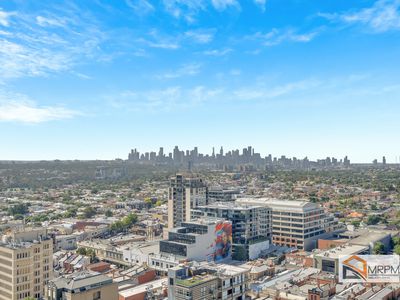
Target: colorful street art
223 241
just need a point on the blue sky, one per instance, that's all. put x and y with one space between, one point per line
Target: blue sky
93 79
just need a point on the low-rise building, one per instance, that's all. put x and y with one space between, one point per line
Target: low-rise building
65 242
207 281
328 260
82 286
154 290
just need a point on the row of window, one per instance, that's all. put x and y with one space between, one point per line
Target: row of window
23 255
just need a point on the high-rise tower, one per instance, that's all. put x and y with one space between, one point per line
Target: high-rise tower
183 195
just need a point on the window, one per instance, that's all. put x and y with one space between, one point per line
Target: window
96 295
328 266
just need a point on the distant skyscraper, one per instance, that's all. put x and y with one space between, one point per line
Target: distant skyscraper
346 162
183 195
384 160
177 154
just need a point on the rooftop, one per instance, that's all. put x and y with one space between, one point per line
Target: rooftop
85 280
153 285
195 280
295 205
335 253
227 269
368 237
231 205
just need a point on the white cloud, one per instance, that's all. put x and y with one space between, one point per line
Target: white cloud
140 53
218 52
200 36
17 60
261 4
169 45
189 9
82 76
56 22
19 108
186 9
382 16
185 70
309 92
262 93
163 100
278 36
4 18
177 97
34 48
140 7
224 4
156 40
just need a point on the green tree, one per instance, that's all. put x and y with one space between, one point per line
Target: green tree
125 223
373 220
108 213
81 251
149 201
396 241
18 209
71 212
89 212
379 248
397 249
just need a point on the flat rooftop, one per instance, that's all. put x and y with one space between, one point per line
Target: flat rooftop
230 205
290 205
83 279
365 239
228 269
334 253
139 289
195 280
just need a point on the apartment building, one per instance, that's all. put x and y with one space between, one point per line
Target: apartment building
296 224
85 285
220 194
184 194
25 264
204 239
207 281
251 226
200 287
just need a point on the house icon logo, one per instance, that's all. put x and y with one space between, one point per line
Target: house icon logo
355 267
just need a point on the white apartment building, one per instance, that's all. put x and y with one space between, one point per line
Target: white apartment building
296 224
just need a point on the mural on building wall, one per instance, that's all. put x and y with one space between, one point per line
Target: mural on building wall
223 241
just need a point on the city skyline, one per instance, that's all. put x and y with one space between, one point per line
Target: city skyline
89 80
